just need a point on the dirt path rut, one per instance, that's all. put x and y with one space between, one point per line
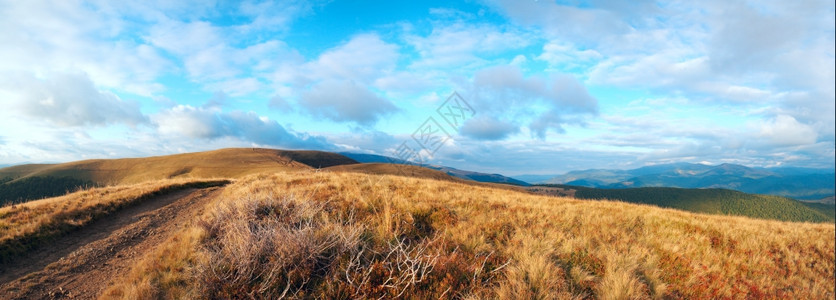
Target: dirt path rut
82 263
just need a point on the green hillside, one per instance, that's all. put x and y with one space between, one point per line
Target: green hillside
823 208
30 188
711 201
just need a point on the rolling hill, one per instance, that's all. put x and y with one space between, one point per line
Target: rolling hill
415 172
393 169
463 174
710 201
351 237
798 183
233 162
28 181
344 234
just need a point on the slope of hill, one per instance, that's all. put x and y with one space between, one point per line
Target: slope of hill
533 178
463 174
828 210
374 158
478 176
223 163
711 201
234 162
394 169
350 237
798 183
38 187
415 172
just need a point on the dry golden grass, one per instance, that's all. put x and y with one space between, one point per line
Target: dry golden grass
345 235
23 226
414 172
223 163
393 169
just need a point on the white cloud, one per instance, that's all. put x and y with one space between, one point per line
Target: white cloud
363 58
345 101
212 123
274 15
766 64
566 57
519 60
337 85
67 37
211 58
67 99
184 38
787 131
547 103
465 45
587 26
488 128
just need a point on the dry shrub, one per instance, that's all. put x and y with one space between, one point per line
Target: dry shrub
277 247
271 246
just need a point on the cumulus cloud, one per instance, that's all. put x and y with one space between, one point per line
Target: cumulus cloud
760 56
345 101
488 128
363 58
68 99
785 130
337 85
215 61
361 140
550 103
212 123
90 38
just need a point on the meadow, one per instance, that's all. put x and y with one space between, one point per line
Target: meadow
313 234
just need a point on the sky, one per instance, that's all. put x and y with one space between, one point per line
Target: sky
511 87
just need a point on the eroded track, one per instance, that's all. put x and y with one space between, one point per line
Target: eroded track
81 264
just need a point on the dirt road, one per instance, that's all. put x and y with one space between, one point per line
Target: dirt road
81 264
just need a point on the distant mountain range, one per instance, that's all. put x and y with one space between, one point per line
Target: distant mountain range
798 183
468 175
710 201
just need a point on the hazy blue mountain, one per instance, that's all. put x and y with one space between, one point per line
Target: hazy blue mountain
798 171
463 174
713 201
373 158
675 168
799 183
533 178
478 176
594 176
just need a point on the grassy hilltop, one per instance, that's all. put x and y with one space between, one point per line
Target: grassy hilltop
36 181
346 235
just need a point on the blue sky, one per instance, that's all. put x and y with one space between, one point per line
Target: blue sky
553 86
